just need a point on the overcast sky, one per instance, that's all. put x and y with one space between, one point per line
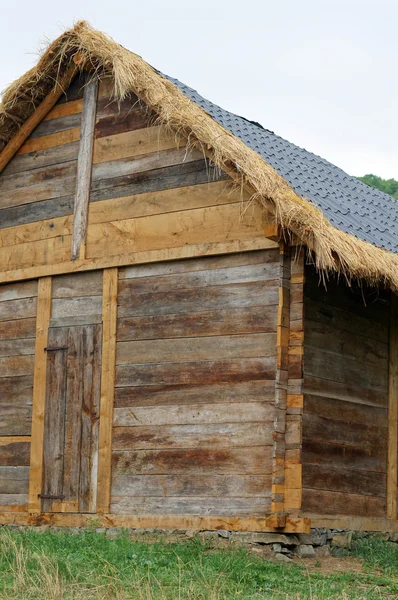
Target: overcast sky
321 73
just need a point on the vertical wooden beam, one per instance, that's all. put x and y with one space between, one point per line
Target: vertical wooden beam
392 465
38 115
109 319
295 387
84 168
39 393
282 341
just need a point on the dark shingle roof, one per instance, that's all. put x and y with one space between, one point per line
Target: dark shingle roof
349 204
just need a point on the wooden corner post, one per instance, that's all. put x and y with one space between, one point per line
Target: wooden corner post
39 393
392 465
282 342
109 320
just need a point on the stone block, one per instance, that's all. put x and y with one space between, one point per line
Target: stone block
305 551
342 540
322 551
266 538
283 558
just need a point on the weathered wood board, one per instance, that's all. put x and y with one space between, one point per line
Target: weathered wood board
345 421
195 386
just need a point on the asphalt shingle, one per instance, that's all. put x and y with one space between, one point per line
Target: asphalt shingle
349 204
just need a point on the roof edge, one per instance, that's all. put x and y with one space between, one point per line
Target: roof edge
334 250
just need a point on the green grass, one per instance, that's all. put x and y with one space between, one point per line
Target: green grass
54 566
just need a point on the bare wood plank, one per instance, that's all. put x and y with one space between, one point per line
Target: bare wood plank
240 295
27 289
240 486
122 172
27 179
167 254
133 143
201 278
268 523
84 310
212 224
73 418
14 480
42 158
40 112
109 321
15 450
192 414
195 349
254 460
54 188
18 347
21 220
57 124
342 391
21 308
77 285
392 465
16 419
342 410
337 503
49 141
190 506
246 320
84 164
32 254
348 481
367 435
222 435
128 118
218 393
39 392
16 390
16 366
54 419
91 375
205 263
14 499
63 110
320 452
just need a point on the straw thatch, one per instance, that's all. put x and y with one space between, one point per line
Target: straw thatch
333 250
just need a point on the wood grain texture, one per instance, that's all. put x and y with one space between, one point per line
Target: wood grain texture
392 462
84 165
268 523
167 254
109 318
41 111
39 393
345 399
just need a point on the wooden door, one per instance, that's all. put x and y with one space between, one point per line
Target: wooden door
72 419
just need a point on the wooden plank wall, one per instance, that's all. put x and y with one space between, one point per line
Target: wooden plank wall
195 386
37 189
345 420
149 199
18 304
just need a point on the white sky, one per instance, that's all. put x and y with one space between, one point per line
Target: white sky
321 73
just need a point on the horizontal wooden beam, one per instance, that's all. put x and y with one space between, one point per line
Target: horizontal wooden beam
38 115
182 522
351 522
135 258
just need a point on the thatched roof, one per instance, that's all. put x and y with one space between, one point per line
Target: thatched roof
334 249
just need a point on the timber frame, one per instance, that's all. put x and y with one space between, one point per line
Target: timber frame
287 457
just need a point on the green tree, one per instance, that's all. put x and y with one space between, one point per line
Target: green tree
389 186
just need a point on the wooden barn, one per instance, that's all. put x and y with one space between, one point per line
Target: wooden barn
198 320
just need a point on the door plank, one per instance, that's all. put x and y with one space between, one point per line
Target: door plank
54 421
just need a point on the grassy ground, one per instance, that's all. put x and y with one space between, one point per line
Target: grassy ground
90 566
